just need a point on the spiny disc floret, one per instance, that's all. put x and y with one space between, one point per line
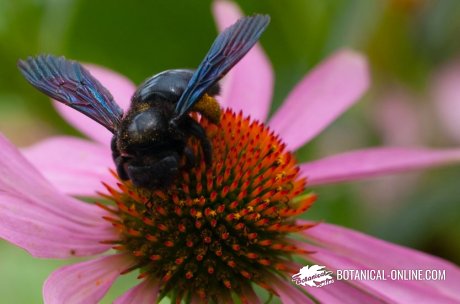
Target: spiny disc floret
217 229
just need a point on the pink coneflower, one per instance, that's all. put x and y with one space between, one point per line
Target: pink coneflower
217 232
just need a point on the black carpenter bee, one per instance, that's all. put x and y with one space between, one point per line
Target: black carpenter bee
150 139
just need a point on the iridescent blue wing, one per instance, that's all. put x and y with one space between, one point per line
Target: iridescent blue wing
70 83
226 51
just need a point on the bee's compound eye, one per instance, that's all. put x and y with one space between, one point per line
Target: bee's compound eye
146 123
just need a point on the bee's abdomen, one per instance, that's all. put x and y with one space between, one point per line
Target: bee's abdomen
167 86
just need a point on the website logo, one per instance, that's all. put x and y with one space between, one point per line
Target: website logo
319 276
313 276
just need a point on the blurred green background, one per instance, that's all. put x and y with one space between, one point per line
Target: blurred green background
406 41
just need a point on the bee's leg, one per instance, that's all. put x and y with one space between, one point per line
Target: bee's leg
190 160
118 159
195 129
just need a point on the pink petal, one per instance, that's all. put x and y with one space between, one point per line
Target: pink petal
145 292
249 85
446 94
287 292
324 94
341 248
74 166
46 223
85 282
121 88
341 292
361 164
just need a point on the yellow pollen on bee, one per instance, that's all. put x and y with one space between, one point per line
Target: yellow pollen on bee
209 108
